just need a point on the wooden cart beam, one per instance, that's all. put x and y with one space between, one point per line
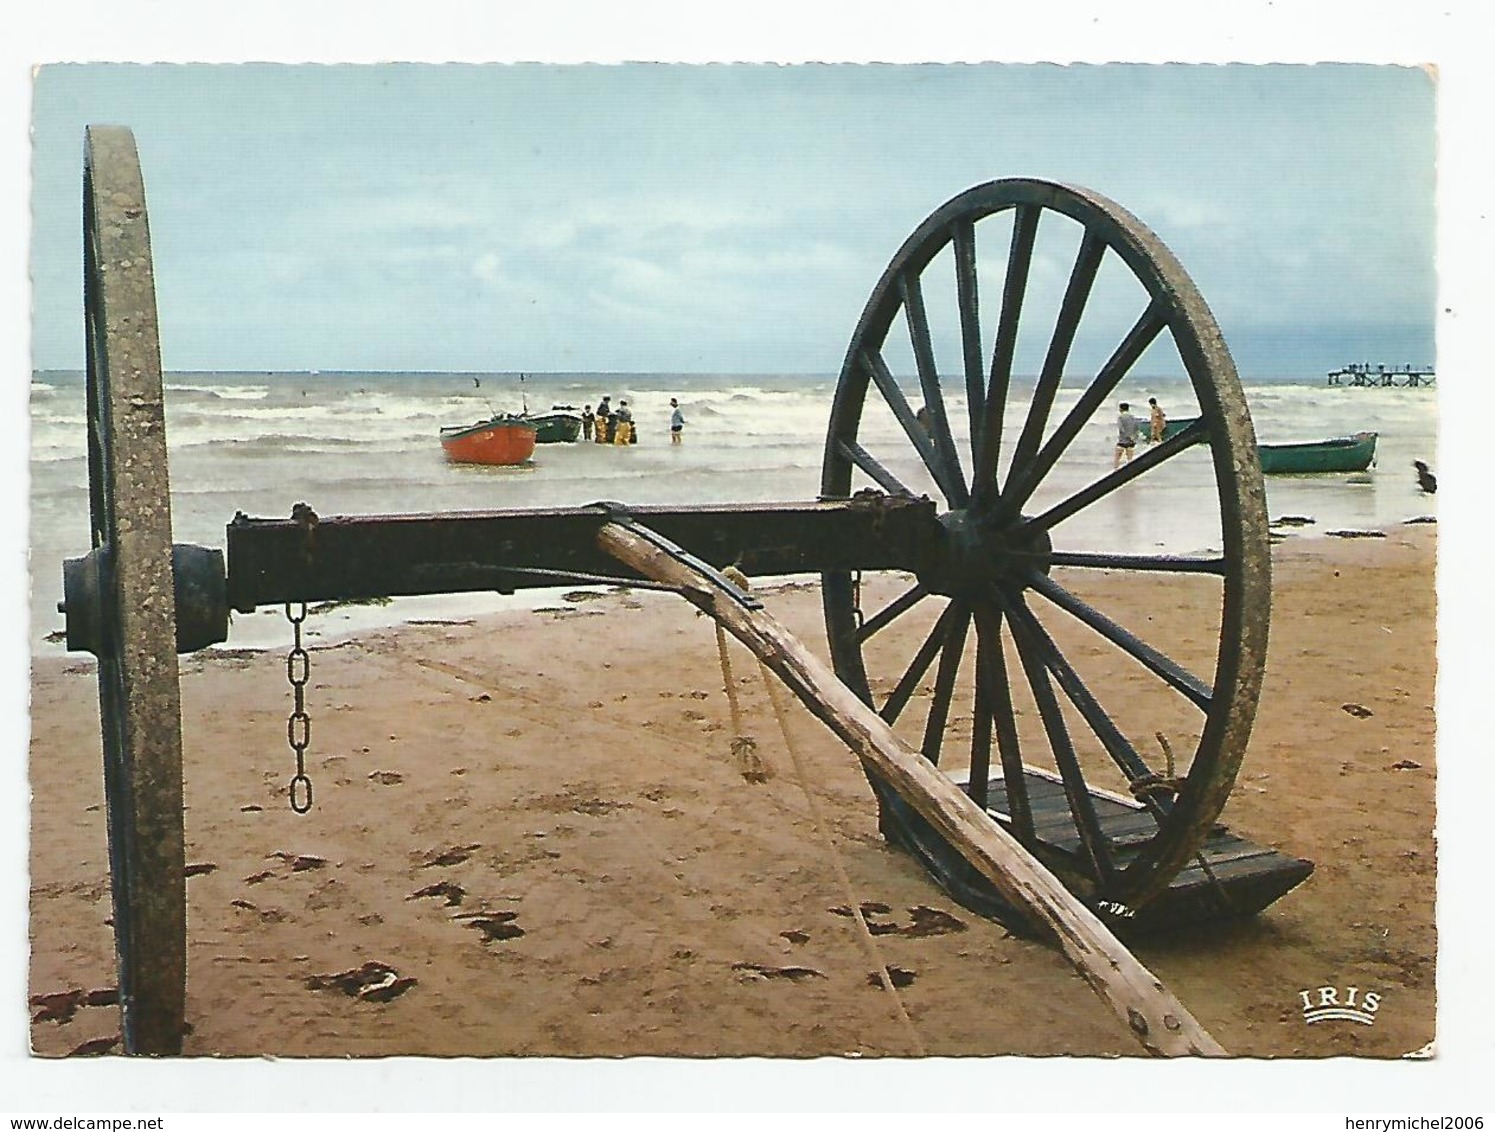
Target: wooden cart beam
306 558
1151 1013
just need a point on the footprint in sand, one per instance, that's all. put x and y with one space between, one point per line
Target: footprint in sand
372 982
96 1048
445 858
300 862
266 915
495 926
453 894
61 1006
896 975
931 921
793 974
924 921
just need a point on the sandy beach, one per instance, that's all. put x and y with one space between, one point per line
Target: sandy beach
537 822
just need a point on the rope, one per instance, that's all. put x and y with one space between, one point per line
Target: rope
744 747
1175 784
884 976
1167 785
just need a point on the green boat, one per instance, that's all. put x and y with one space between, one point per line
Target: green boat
1172 428
562 425
1342 454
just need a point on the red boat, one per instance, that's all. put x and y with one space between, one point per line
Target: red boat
499 440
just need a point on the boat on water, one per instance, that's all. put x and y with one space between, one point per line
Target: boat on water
1340 454
562 425
501 440
1175 426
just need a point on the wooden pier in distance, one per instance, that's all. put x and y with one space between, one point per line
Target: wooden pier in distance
1366 376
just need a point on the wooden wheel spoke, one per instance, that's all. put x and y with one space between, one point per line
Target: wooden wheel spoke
944 681
891 612
1076 295
1155 563
963 239
1004 348
1010 511
871 465
1147 327
898 699
888 386
1121 476
929 383
1122 753
1076 791
978 785
1175 676
994 695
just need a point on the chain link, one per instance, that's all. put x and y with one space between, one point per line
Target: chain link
856 598
298 726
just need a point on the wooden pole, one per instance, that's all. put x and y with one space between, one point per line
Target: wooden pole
1151 1013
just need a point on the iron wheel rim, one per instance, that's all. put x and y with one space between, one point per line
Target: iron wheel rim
130 520
1174 308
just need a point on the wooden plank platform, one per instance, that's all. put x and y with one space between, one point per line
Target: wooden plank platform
1230 877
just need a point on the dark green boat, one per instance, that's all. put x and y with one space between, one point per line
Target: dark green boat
1342 454
1174 427
562 425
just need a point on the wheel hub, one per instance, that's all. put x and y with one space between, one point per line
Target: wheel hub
977 552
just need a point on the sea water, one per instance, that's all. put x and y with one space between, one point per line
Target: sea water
367 444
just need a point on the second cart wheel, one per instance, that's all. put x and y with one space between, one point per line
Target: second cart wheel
932 399
134 616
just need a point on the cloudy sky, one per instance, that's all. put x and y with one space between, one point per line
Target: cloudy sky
716 218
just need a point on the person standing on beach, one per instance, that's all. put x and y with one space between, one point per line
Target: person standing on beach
1157 421
603 426
588 418
1127 428
677 421
623 429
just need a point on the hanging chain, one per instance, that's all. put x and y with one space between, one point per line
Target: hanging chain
856 597
298 726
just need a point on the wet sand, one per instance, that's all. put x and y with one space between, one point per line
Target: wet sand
538 823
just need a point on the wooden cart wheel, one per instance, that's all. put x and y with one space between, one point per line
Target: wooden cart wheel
130 510
1001 585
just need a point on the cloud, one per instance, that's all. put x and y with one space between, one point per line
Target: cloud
711 210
